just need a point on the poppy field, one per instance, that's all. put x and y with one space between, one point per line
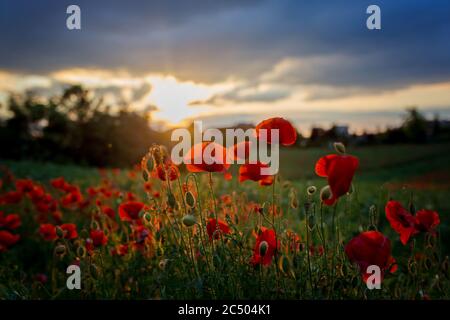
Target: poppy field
202 231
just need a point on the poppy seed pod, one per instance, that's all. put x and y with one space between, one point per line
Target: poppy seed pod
190 199
263 246
311 190
189 220
162 264
339 147
60 250
325 193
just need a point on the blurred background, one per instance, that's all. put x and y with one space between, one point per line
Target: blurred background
100 96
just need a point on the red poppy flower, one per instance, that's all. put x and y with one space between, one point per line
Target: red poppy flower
253 172
168 169
70 230
401 220
211 228
294 241
109 211
427 220
11 197
24 185
40 277
47 231
287 134
141 236
227 176
147 186
120 250
58 183
46 205
98 238
92 191
130 210
371 248
11 221
72 198
265 247
316 250
7 239
37 193
131 196
339 171
206 160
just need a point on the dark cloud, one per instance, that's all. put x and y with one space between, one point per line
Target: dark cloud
211 41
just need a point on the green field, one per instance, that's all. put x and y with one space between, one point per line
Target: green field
417 174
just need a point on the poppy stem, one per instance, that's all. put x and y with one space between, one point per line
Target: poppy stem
333 261
324 243
308 259
216 214
276 234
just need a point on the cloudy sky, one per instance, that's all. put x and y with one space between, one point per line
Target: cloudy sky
228 61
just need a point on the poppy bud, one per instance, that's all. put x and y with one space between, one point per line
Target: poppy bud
145 175
157 156
59 232
81 251
311 190
149 164
147 216
284 265
286 184
189 220
430 240
325 193
373 217
427 263
94 225
60 250
228 219
412 268
294 200
84 233
190 199
171 200
263 246
339 147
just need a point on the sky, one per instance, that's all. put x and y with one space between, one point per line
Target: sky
229 61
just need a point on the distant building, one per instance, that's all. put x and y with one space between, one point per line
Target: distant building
341 131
